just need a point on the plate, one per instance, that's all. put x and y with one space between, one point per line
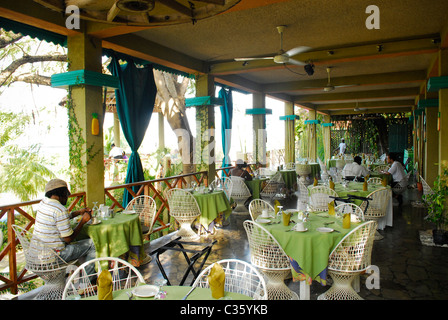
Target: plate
260 220
146 291
128 211
324 229
92 224
306 229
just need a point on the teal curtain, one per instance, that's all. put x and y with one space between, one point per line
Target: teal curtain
135 99
226 123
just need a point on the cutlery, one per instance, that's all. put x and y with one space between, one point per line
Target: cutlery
191 290
327 223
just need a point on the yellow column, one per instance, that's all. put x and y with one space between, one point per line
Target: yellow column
84 53
289 134
443 109
259 129
327 139
312 145
205 127
431 146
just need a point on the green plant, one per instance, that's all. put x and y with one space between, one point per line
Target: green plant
435 202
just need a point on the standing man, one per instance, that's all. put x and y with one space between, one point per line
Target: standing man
53 224
342 147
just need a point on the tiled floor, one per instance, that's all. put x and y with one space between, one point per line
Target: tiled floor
408 269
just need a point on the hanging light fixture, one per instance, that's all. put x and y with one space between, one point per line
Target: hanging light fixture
136 6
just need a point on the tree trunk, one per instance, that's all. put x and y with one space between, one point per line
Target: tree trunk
170 101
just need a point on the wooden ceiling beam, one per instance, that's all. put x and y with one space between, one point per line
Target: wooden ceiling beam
403 47
365 105
370 111
357 95
359 80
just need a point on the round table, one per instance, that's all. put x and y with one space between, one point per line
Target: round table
116 236
255 186
290 178
177 293
212 205
309 251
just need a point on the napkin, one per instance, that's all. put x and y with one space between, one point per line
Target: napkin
331 185
315 182
105 285
364 186
331 208
216 280
384 182
276 204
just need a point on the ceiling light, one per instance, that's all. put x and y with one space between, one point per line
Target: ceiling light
136 5
309 69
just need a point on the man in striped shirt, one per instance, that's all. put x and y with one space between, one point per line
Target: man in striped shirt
53 224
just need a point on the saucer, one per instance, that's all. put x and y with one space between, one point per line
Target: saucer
324 229
259 220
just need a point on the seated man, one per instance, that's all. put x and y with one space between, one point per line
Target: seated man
240 170
53 224
355 169
398 174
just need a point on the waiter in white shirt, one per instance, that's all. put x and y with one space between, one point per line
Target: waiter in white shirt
115 152
342 147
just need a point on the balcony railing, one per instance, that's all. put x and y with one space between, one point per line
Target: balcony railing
153 188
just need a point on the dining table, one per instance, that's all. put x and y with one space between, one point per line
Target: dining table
213 205
356 188
170 293
117 236
290 179
309 250
256 185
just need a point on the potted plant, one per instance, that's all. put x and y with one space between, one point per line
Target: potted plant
436 205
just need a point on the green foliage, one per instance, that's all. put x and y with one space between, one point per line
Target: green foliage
435 202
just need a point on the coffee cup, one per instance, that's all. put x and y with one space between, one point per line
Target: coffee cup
300 226
264 213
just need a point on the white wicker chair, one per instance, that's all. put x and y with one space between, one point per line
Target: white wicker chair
241 277
320 197
225 184
304 197
124 276
374 180
401 186
274 188
350 258
381 167
377 207
426 188
268 256
185 209
256 207
44 262
290 166
351 208
145 207
240 193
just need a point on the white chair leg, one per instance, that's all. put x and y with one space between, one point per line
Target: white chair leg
357 283
276 287
186 232
342 288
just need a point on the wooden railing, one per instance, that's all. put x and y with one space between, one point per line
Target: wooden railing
154 188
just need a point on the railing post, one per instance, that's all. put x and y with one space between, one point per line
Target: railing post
12 252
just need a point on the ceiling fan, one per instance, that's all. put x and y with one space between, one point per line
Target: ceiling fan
329 87
282 56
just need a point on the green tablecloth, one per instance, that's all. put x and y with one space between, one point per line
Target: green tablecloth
114 237
309 251
354 188
290 178
177 293
211 205
255 186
